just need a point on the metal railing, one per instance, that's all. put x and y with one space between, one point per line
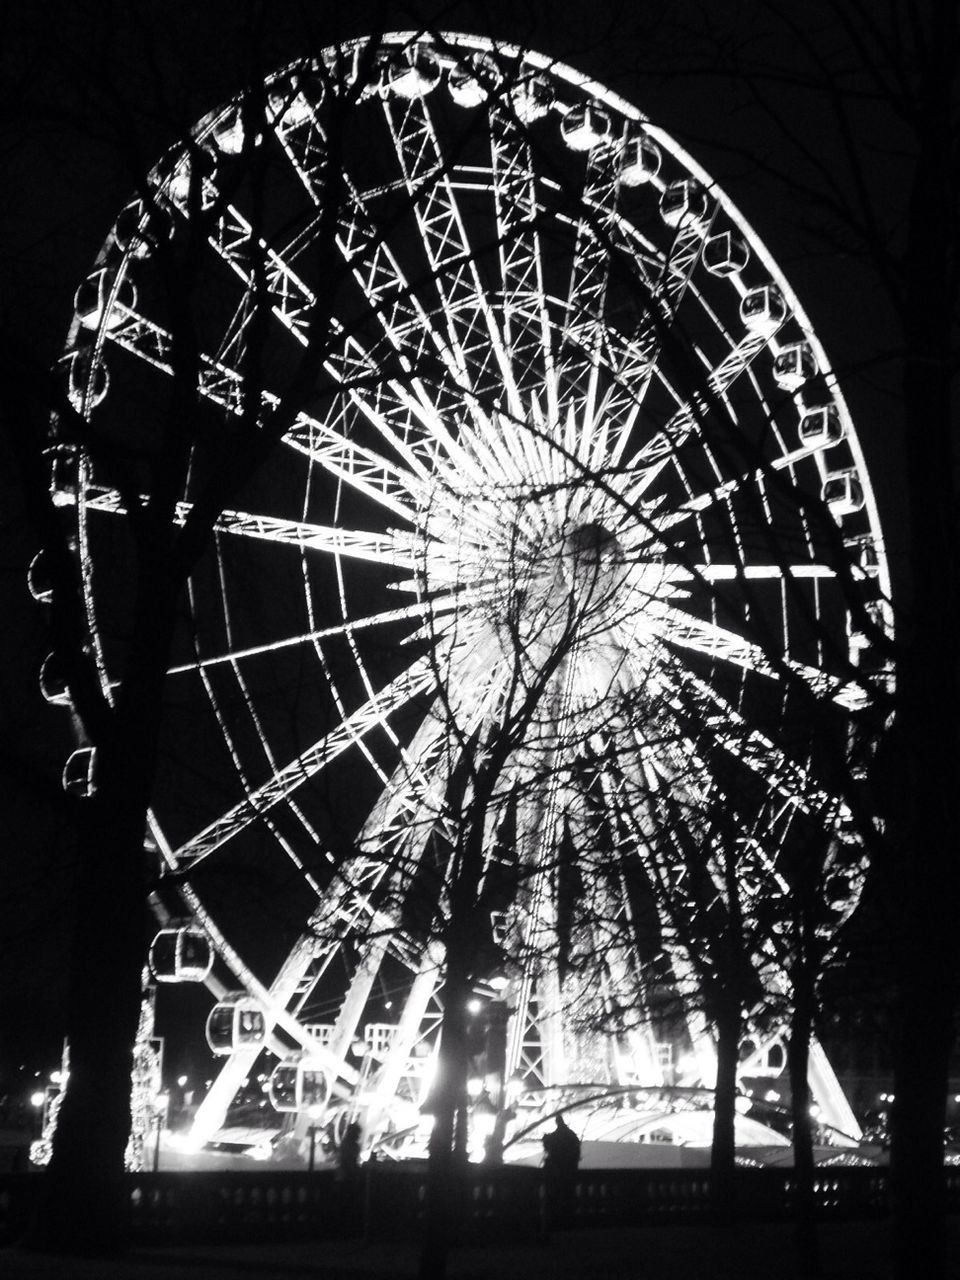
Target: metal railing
389 1201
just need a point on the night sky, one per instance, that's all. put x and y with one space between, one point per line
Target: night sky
63 172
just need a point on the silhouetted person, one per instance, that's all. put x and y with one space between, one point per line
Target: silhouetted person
348 1156
561 1159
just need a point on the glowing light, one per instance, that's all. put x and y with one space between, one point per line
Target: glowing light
515 1086
37 1099
474 1005
188 1143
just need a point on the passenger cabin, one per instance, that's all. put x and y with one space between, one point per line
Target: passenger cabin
685 205
101 297
136 230
532 99
290 104
868 559
794 365
585 127
64 474
235 1022
179 188
843 493
39 583
228 133
821 427
79 776
641 161
181 953
53 681
763 310
725 254
297 1084
414 74
470 82
86 388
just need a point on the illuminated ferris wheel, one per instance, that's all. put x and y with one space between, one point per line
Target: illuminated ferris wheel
570 424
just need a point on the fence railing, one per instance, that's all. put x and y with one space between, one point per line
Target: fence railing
389 1201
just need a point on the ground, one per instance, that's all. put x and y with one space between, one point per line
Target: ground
850 1251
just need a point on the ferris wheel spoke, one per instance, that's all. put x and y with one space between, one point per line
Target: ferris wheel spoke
409 613
375 267
681 261
688 420
654 579
411 684
664 290
584 329
659 620
711 641
399 406
391 841
729 729
528 332
392 549
412 806
719 572
229 737
387 483
472 330
590 269
758 477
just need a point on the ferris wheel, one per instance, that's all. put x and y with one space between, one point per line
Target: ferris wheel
568 424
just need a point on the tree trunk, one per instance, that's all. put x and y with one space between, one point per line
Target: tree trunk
445 1165
918 1116
798 1063
923 887
723 1150
82 1207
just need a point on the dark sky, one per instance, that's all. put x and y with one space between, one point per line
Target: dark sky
91 89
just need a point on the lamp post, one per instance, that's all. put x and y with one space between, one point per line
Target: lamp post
161 1103
38 1100
314 1113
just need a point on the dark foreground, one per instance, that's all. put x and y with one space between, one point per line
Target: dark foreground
688 1251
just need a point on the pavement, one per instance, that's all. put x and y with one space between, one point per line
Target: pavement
764 1251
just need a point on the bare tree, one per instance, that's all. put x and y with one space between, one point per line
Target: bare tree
208 435
868 75
177 475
